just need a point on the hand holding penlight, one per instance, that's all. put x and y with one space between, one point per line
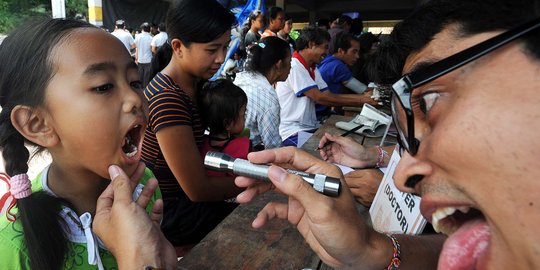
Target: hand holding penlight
217 161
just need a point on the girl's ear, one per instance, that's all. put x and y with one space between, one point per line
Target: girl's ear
279 64
34 126
177 47
311 44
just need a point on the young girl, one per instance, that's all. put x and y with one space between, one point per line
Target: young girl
72 89
250 32
199 33
223 110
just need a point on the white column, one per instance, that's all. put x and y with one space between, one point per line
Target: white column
58 8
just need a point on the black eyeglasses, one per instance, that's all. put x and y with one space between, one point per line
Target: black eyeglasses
403 88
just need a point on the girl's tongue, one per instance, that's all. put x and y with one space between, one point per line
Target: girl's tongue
464 247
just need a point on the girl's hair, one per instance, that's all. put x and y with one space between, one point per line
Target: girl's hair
271 14
252 16
161 59
220 102
25 71
198 21
264 55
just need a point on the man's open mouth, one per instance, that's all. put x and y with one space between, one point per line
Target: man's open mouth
468 236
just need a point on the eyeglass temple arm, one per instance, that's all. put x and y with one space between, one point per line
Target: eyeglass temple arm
466 56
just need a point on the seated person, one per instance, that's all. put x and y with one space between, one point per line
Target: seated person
335 69
304 87
270 62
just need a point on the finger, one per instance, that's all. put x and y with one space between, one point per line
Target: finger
252 192
269 212
157 212
244 182
105 200
147 192
325 138
122 187
293 186
286 155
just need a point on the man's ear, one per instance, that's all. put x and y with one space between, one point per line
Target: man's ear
341 51
177 47
311 44
34 126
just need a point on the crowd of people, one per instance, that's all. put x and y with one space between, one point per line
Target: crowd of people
127 187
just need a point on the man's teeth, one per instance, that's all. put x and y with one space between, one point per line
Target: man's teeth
441 213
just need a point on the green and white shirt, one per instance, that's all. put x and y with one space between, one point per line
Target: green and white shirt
86 251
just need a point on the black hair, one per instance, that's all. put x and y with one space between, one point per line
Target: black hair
357 26
367 40
271 14
198 21
220 102
25 71
472 17
263 59
311 34
343 19
343 41
247 25
161 59
323 22
145 27
162 27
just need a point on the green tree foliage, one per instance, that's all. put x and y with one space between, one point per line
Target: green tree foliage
15 12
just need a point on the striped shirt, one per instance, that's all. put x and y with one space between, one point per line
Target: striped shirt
184 222
168 106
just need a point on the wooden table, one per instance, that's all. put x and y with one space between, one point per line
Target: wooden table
234 244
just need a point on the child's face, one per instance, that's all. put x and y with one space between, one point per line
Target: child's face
95 104
238 125
203 60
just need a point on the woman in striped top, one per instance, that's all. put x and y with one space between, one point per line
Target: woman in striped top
199 32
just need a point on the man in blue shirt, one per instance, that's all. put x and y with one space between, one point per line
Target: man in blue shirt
335 69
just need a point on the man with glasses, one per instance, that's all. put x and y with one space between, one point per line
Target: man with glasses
467 114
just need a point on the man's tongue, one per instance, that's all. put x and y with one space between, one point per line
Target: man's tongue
464 247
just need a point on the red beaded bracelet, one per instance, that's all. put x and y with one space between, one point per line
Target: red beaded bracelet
382 155
395 262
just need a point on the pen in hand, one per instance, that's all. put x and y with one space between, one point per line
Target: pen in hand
342 135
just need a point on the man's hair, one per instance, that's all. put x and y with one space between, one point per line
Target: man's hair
343 41
344 19
162 27
145 27
311 34
471 17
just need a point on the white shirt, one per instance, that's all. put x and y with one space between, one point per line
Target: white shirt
125 38
144 51
297 110
159 39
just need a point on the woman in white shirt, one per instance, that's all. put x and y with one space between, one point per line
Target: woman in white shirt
269 62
